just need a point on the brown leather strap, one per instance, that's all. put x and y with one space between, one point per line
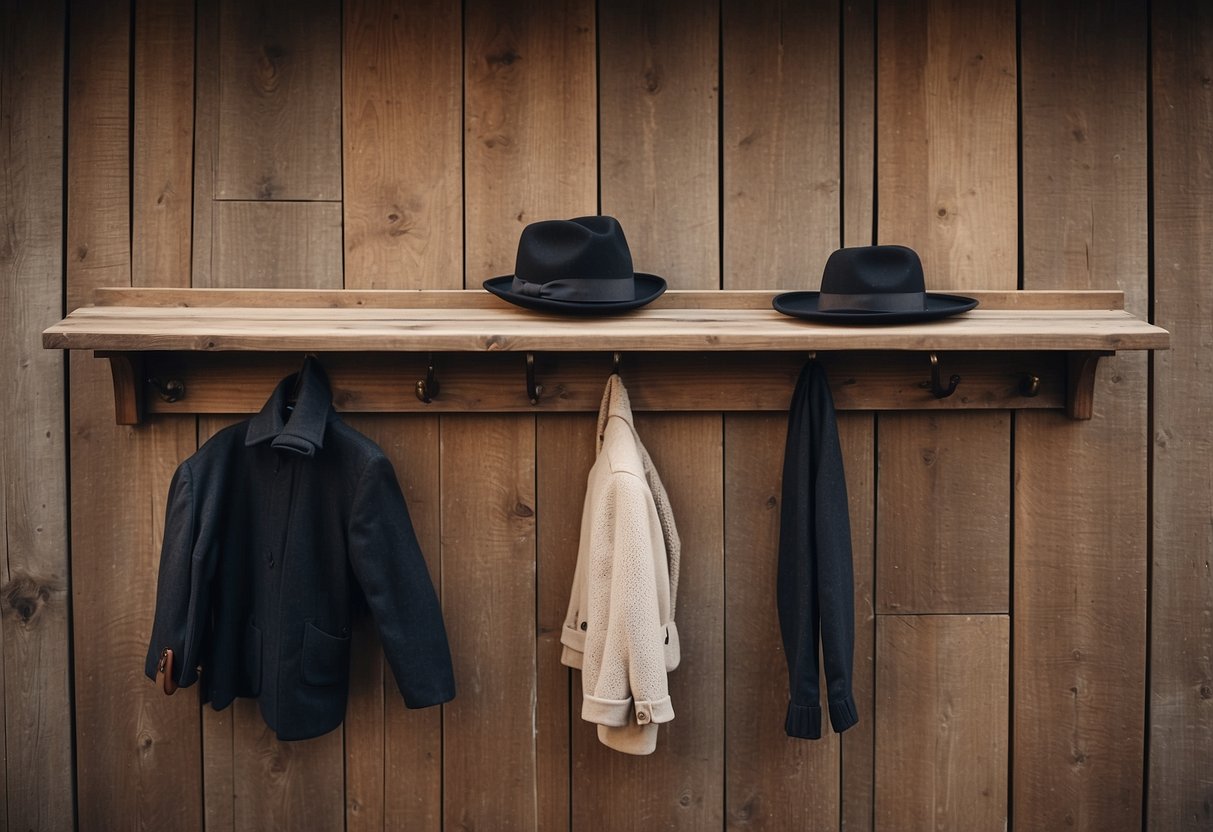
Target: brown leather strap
164 672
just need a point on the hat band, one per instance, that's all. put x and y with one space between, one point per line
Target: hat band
579 289
872 302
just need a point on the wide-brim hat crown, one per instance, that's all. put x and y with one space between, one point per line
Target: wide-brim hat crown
872 284
580 266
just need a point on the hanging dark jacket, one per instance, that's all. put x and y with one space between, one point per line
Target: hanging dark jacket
815 591
273 530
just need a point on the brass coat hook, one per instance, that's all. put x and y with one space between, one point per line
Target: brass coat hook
1029 385
428 387
533 390
936 386
615 361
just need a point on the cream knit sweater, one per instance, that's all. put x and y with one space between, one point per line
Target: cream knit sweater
620 625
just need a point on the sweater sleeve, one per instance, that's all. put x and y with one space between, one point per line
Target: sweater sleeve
391 570
815 591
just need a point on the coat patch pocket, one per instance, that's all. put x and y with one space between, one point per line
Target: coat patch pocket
252 659
326 658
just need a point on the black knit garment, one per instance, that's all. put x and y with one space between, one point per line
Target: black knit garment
815 587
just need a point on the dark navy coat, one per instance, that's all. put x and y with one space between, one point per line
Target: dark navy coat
815 588
275 529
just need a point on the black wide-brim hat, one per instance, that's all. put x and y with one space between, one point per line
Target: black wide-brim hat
580 266
872 285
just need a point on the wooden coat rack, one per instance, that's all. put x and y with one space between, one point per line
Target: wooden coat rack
221 351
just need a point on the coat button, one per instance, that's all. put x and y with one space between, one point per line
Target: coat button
642 717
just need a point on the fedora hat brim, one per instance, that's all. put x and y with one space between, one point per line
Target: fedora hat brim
647 287
805 305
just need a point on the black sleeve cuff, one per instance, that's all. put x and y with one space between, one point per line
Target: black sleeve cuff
804 721
843 714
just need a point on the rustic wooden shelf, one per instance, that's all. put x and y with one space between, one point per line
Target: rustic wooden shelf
702 350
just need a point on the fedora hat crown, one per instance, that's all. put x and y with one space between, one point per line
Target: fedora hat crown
580 266
873 279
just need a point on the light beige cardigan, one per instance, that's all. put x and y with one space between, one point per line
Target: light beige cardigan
620 625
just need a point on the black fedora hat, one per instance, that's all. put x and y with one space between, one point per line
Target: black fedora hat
580 266
872 285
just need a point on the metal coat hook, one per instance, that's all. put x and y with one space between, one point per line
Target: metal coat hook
533 390
615 361
172 390
428 387
937 388
1029 385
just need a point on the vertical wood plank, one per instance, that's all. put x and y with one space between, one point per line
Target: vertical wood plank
856 433
488 592
529 123
942 764
393 754
142 748
946 121
36 770
658 134
401 151
944 503
772 781
680 785
1080 548
564 445
280 100
162 198
781 142
277 245
858 121
1181 649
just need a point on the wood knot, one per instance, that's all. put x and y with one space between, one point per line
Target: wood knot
652 79
772 502
523 510
505 57
25 596
1206 691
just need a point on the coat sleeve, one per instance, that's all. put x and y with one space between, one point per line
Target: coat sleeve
815 590
631 682
391 570
183 585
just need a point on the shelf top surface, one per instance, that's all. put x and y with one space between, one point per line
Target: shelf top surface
473 321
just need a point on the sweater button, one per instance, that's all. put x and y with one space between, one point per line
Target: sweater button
642 717
585 625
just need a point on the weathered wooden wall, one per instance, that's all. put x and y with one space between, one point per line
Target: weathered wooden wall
1034 599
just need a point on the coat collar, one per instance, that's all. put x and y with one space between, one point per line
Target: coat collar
302 430
615 404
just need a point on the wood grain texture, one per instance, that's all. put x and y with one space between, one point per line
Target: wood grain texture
1080 548
161 197
659 84
401 144
856 433
858 122
781 166
946 141
142 749
1181 649
772 781
488 595
36 732
941 762
529 123
564 446
206 141
478 299
944 541
393 774
680 785
277 245
662 330
237 382
280 100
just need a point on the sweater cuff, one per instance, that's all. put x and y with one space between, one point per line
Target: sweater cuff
804 721
843 714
